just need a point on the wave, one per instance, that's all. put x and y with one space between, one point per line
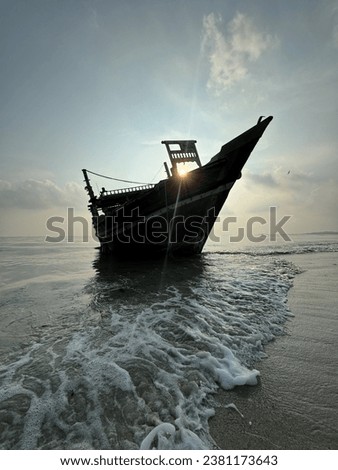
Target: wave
286 249
154 344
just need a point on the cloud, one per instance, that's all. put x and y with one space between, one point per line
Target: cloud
335 26
231 54
281 178
311 200
265 179
40 194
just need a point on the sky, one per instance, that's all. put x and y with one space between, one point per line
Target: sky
98 84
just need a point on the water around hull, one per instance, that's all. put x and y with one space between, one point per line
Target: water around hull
129 355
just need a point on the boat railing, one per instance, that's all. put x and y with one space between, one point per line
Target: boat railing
134 189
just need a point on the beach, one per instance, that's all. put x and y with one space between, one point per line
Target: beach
97 355
295 405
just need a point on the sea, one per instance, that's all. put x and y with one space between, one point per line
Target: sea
99 353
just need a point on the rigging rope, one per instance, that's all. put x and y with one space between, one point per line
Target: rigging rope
160 169
115 179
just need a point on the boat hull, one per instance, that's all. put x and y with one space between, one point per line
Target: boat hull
181 228
177 215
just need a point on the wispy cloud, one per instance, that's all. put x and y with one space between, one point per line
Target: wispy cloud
281 178
310 202
231 52
335 25
40 194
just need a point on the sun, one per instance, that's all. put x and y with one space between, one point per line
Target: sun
182 172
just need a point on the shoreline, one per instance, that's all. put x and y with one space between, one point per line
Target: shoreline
294 405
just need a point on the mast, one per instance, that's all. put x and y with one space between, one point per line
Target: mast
92 198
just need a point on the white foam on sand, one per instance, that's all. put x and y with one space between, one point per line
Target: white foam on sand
296 407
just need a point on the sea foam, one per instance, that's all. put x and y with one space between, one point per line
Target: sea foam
153 346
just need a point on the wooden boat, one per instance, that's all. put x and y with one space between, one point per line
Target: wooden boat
176 215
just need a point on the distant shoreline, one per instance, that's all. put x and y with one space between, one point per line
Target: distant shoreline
317 233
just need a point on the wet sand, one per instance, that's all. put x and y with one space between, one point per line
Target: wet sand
295 405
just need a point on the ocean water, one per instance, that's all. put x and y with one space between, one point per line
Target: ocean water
101 354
